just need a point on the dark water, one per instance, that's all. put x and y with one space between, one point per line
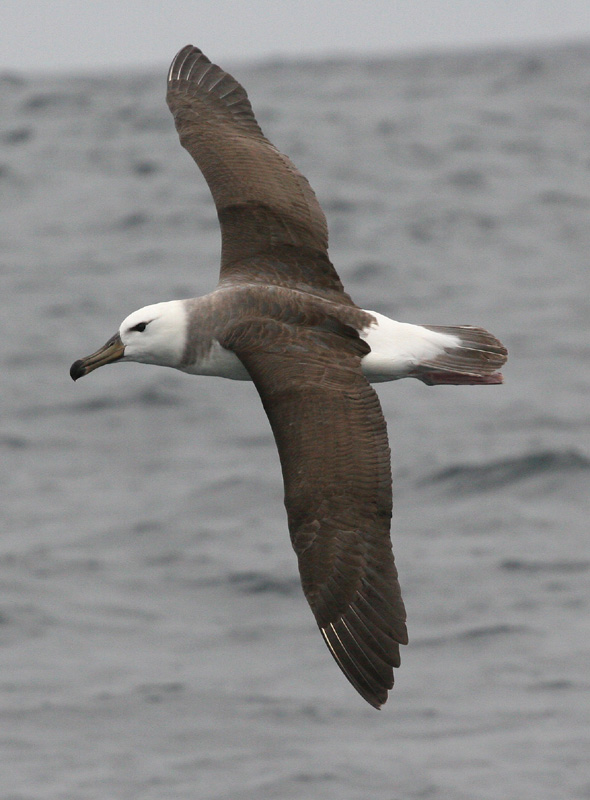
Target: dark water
154 639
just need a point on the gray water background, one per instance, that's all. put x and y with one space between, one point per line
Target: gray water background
154 640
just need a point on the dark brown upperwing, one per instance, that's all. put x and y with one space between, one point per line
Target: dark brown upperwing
265 206
332 443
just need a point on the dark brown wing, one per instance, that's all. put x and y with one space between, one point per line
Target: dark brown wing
332 442
265 206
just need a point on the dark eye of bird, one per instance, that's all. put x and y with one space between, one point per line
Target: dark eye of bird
141 326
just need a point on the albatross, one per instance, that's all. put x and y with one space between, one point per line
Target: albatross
280 318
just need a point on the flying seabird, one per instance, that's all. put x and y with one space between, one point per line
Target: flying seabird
280 317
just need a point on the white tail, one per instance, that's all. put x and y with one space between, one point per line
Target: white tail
435 354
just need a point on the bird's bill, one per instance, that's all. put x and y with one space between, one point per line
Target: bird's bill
113 350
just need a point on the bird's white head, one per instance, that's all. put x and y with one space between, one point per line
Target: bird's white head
154 334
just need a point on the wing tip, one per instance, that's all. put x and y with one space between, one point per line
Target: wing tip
180 59
371 688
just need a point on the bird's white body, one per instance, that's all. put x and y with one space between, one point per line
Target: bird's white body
220 362
397 348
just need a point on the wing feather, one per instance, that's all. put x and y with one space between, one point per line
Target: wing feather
335 459
265 205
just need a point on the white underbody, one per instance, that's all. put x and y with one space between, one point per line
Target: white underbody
397 348
221 363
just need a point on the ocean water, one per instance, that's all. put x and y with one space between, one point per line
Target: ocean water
154 640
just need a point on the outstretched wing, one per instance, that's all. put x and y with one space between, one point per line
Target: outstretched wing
332 442
266 208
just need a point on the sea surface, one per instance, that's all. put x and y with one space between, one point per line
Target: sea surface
154 640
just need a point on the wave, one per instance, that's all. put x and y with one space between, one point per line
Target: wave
13 442
16 136
56 100
253 582
536 567
479 633
484 477
152 396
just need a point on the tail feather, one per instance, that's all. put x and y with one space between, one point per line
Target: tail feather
476 359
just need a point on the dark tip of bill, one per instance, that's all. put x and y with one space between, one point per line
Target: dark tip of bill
77 370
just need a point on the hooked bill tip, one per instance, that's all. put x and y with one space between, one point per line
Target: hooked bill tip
77 370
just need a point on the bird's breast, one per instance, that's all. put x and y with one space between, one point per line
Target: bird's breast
220 362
